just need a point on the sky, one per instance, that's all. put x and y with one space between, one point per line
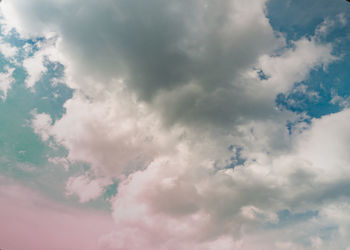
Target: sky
174 125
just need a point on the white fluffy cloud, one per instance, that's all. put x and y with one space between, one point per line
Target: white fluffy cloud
35 64
207 205
116 136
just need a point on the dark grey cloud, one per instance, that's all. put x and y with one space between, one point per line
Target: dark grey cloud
163 48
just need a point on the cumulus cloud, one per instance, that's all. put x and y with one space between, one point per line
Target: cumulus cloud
167 56
116 132
112 135
206 206
165 93
186 60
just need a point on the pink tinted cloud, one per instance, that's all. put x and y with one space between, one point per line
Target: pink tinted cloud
31 222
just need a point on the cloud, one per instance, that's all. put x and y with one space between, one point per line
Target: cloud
6 80
295 64
116 136
85 188
35 65
164 94
140 32
186 60
197 64
113 130
206 206
7 50
41 124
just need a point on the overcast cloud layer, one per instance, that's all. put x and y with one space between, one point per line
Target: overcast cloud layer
174 115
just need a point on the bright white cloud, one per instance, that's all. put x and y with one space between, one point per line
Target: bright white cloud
35 64
35 68
295 63
116 136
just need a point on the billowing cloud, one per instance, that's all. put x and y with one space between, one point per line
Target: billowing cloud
206 205
116 136
176 99
185 59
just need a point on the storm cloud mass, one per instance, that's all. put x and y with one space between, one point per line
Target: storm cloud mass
184 118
